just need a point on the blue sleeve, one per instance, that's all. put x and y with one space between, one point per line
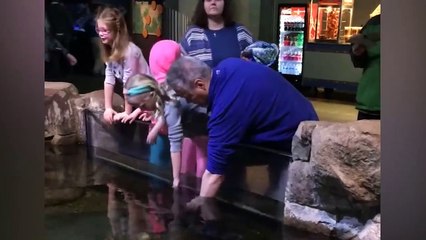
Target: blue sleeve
227 125
184 46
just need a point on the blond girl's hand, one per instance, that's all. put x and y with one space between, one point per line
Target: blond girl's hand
120 116
131 117
145 116
152 137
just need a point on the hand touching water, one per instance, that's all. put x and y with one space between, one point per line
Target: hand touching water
207 207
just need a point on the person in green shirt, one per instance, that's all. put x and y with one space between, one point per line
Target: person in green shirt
366 54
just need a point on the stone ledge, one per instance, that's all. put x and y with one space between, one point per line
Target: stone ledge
308 219
65 108
335 171
60 196
320 222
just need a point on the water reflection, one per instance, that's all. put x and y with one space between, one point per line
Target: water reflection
147 217
160 213
121 204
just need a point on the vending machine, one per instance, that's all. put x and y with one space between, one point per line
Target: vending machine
292 35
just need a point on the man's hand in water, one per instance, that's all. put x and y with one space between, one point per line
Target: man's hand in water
206 206
195 204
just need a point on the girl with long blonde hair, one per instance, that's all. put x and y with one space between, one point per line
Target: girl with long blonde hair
146 94
170 112
123 59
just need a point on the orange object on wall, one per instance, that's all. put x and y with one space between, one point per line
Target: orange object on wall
147 18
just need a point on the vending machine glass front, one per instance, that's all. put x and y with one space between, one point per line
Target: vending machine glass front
292 38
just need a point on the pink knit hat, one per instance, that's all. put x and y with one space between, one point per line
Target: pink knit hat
161 57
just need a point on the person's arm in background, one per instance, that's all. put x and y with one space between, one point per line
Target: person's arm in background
183 49
368 39
173 113
195 44
108 94
372 33
184 46
245 38
57 45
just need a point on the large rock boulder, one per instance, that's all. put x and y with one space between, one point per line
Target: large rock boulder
336 169
66 173
65 111
309 219
302 140
371 230
343 171
60 120
62 195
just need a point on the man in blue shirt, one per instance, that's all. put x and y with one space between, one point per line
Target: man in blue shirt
249 103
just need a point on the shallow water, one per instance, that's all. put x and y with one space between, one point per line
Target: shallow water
110 202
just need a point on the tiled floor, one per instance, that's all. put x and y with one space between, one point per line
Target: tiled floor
334 110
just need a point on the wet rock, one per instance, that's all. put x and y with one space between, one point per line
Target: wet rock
347 228
377 218
62 140
65 149
301 147
320 222
65 110
308 219
60 115
66 169
95 102
371 231
60 196
342 173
